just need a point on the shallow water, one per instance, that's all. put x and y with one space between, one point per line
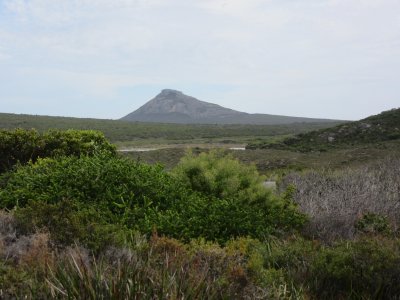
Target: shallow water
137 150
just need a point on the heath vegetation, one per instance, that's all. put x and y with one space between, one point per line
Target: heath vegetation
372 130
79 221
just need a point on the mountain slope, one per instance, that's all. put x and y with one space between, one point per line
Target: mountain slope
374 129
172 106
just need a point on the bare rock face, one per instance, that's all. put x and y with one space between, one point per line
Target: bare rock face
171 106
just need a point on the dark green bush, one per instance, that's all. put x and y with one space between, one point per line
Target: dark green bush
368 268
122 191
21 146
106 181
372 223
112 190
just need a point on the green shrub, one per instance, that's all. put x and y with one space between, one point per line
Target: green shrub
15 283
104 189
70 221
217 175
108 182
18 146
89 192
372 223
237 196
368 268
21 146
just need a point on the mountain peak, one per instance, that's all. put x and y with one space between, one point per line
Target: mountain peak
170 92
172 106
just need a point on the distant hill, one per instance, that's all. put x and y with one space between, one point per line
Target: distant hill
374 129
171 106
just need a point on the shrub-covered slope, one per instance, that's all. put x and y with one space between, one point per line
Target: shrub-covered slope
379 128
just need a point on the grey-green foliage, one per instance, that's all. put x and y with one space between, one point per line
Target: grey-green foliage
219 175
237 192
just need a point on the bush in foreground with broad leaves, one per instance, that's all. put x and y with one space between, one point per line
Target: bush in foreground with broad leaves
102 190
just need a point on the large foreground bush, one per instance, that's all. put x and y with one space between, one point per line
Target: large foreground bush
75 197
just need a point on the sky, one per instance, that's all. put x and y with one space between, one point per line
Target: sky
336 59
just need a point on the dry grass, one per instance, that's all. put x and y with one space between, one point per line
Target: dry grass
161 268
22 250
7 229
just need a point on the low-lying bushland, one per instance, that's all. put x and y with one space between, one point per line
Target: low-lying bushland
94 225
163 268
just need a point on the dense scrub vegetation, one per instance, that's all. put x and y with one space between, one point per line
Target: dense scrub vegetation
374 129
22 146
95 225
164 268
114 191
274 161
121 131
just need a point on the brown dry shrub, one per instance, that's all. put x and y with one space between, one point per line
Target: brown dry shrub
24 261
38 252
7 231
335 200
32 251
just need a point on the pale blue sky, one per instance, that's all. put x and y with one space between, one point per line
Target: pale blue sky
103 59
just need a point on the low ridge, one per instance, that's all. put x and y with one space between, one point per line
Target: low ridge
171 106
374 129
